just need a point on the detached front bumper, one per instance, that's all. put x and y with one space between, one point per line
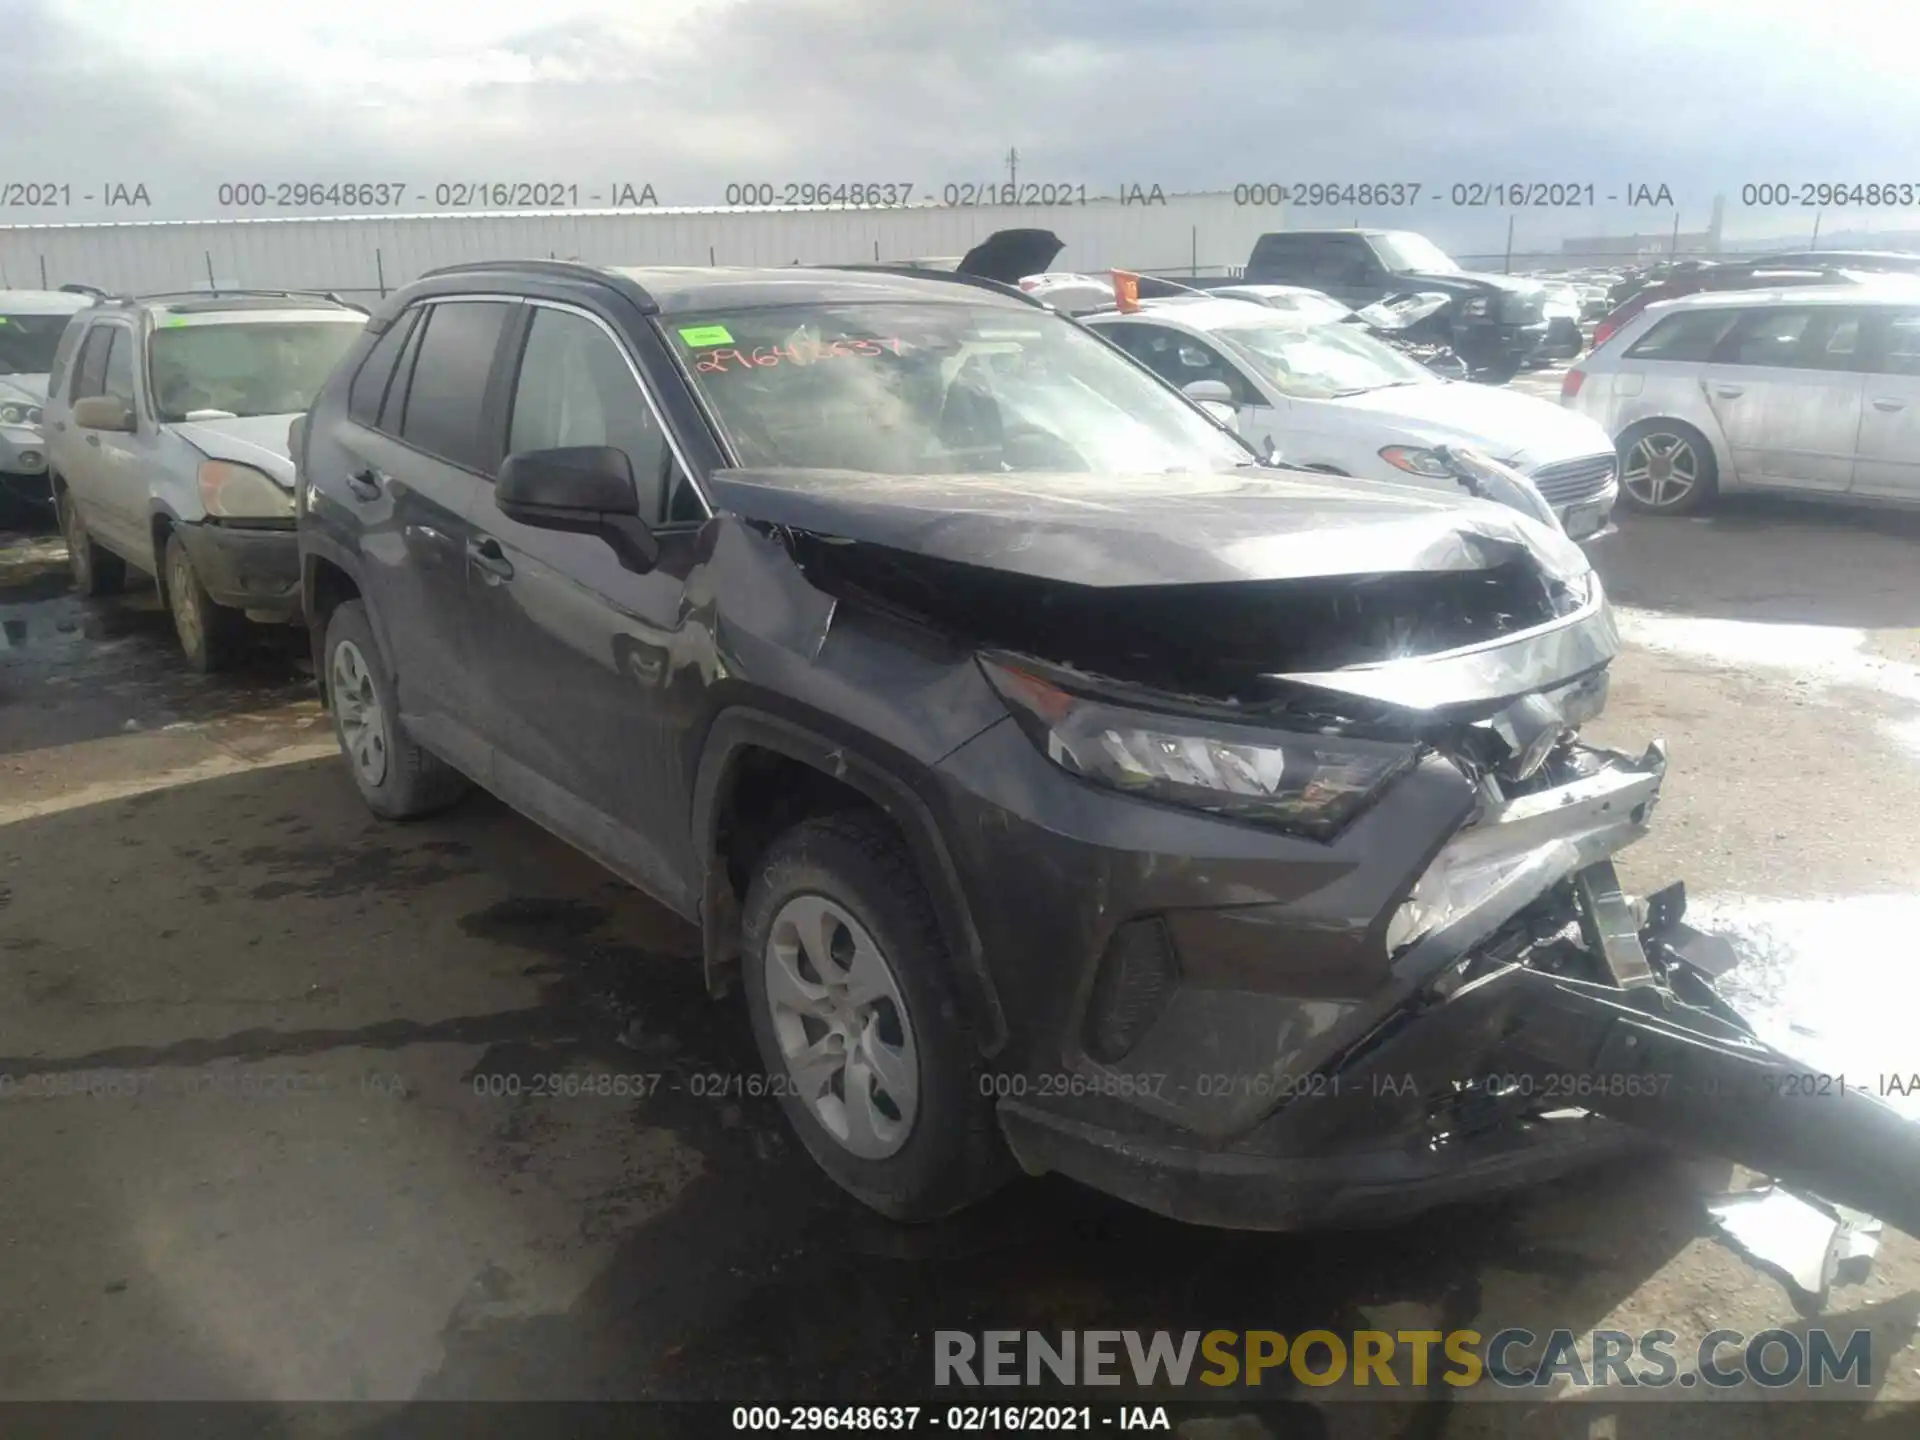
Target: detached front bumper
1537 1022
1233 1110
247 568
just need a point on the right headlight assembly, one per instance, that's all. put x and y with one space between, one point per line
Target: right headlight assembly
1308 784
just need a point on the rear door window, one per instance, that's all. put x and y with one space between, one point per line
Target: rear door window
1809 337
369 389
448 393
1900 344
1691 336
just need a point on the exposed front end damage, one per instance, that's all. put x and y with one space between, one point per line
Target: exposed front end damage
1244 1005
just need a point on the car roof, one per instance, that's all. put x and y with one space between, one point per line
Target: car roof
42 302
1205 312
1864 290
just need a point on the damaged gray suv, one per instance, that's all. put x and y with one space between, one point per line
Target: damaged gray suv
1064 789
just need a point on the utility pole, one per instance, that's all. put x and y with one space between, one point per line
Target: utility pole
1816 230
1013 169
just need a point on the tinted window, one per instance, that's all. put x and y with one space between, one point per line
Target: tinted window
119 379
1692 336
1292 253
369 386
394 409
575 388
1901 350
449 388
90 375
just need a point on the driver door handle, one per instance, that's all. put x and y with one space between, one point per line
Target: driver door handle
1888 402
1730 391
487 554
366 484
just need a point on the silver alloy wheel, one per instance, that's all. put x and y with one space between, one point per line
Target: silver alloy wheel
842 1026
79 560
356 705
186 614
1662 470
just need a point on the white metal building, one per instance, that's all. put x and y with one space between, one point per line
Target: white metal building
369 255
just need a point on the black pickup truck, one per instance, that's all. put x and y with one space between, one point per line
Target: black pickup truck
1493 322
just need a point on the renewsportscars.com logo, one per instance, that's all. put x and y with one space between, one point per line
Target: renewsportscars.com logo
1382 1360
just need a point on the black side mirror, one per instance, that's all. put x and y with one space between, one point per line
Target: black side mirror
584 489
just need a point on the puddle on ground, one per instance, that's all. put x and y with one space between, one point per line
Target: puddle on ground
1830 981
1822 655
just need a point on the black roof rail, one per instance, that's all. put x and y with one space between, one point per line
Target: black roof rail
567 269
955 277
75 287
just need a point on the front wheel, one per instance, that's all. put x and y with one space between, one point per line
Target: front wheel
212 637
847 986
1666 468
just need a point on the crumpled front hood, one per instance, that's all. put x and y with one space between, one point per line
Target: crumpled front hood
31 388
1112 531
256 440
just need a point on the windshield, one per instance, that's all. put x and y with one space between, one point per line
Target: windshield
1404 250
27 342
1319 362
246 368
940 388
1305 304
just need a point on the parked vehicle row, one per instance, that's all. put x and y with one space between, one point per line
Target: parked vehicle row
1804 390
1062 785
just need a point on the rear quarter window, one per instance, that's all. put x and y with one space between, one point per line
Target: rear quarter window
1692 336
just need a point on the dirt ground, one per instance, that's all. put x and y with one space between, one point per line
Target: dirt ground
269 1152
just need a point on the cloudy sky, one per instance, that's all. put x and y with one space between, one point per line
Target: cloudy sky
687 95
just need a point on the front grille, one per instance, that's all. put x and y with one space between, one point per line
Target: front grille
1571 481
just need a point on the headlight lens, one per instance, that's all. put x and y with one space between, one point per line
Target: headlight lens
1313 785
1478 305
12 414
1416 461
240 492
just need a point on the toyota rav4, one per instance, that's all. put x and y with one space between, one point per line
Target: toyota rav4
1058 783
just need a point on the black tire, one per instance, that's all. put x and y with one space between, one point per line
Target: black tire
212 636
954 1155
1705 488
96 570
412 782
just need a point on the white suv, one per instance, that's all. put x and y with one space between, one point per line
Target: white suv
1809 390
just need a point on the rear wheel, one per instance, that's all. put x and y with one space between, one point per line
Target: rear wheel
212 637
96 571
394 775
847 985
1666 468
